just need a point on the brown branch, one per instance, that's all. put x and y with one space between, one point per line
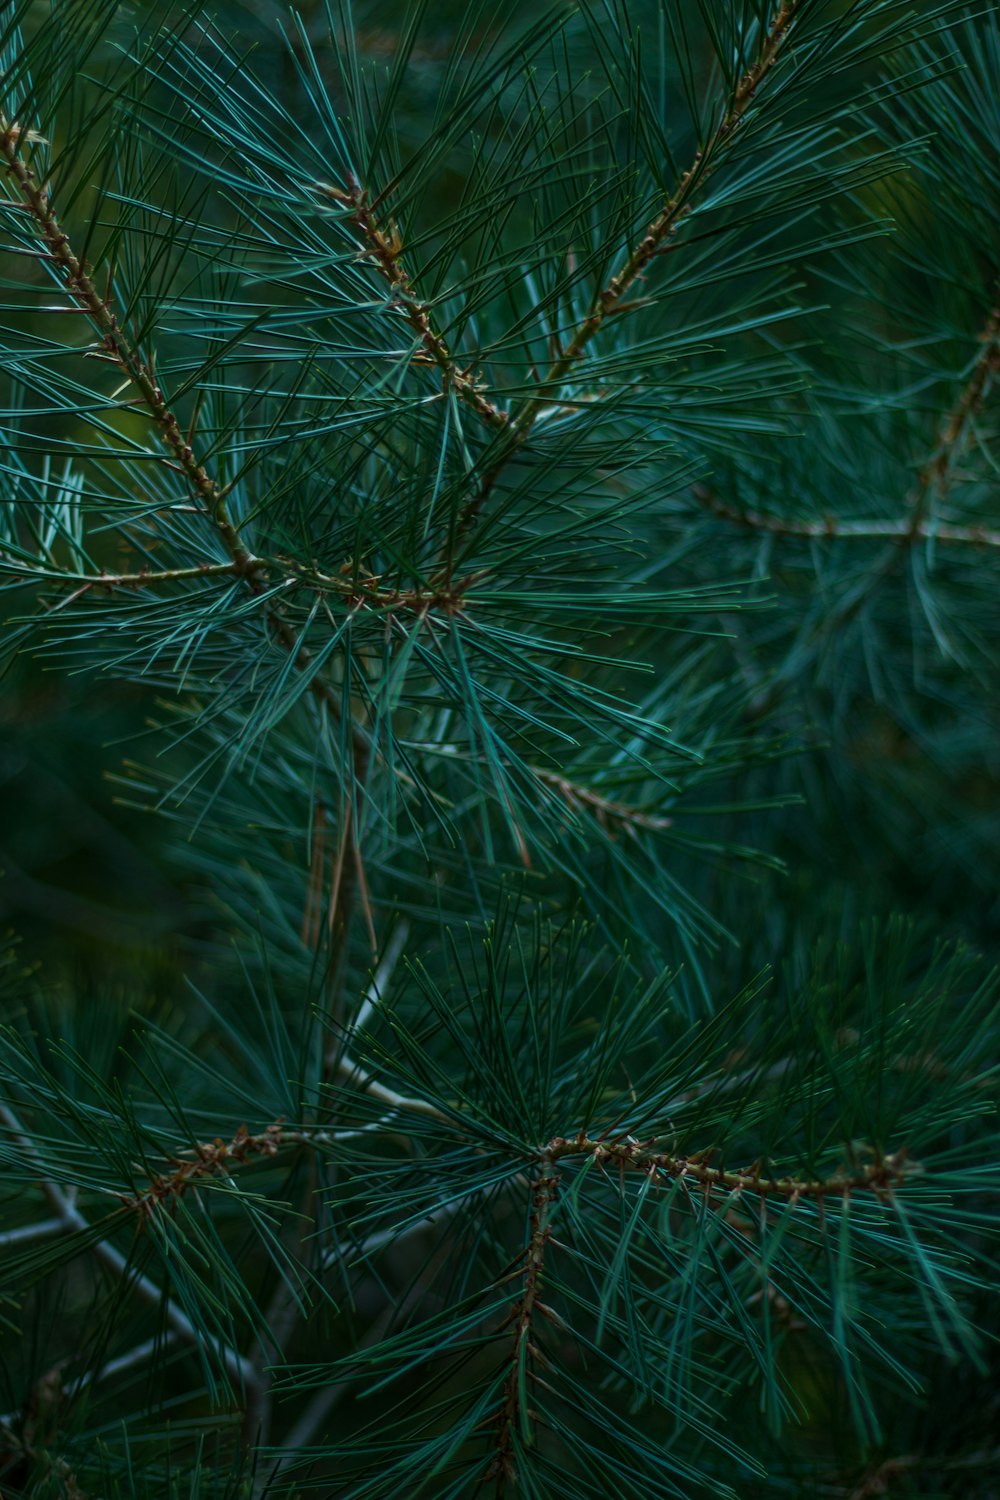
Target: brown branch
877 1178
655 240
877 1480
933 484
73 1221
511 1416
217 1158
850 530
115 345
364 591
935 479
609 814
384 251
86 582
207 1159
39 1424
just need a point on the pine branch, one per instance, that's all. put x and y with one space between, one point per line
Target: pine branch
611 815
73 1221
364 594
513 1416
208 1159
384 251
832 528
878 1178
936 477
145 578
501 705
655 241
115 345
933 485
218 1158
364 591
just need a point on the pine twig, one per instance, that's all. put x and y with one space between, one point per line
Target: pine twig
217 1158
384 251
512 1414
143 578
207 1159
878 1178
610 814
72 1221
935 479
654 241
116 346
934 482
830 528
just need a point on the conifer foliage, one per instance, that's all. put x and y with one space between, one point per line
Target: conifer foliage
541 461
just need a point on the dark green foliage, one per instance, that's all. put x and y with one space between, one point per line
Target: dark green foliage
536 467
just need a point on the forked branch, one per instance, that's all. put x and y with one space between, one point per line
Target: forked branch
116 347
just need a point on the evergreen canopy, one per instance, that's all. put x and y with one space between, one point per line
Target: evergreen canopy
542 463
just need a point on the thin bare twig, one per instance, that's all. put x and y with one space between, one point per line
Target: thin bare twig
381 1239
365 1083
124 1362
28 1232
322 1404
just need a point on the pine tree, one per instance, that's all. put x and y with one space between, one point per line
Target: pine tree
541 462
